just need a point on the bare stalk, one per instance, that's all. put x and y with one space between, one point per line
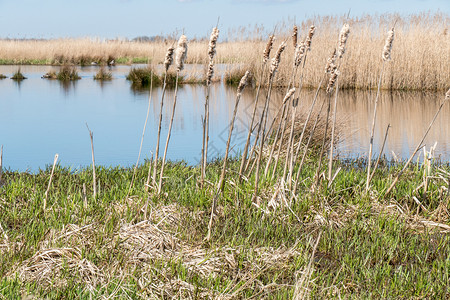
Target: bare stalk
94 180
143 133
381 152
418 145
168 136
147 183
369 158
330 159
50 180
155 167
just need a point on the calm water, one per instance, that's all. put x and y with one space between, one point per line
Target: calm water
41 117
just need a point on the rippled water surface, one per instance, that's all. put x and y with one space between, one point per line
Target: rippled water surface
41 117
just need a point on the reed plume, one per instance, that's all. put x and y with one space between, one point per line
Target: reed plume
168 58
300 52
388 45
209 74
288 95
294 36
343 36
309 37
332 81
181 53
276 60
268 48
331 66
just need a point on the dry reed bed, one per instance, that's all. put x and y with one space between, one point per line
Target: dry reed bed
421 59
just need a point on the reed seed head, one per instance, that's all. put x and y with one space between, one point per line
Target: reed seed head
213 42
388 45
309 37
169 58
268 48
181 53
343 36
300 52
447 95
276 60
295 36
332 81
210 72
331 66
288 95
243 83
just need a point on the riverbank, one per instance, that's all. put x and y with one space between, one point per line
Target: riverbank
420 59
333 241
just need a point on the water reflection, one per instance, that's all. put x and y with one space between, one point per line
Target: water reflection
42 117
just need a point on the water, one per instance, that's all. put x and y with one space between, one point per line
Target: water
41 117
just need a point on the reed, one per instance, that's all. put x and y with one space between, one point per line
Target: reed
68 73
180 57
18 76
50 182
102 74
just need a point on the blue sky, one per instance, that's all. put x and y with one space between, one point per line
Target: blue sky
131 18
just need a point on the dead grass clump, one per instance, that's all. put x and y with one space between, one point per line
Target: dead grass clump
18 76
68 73
141 77
102 74
49 267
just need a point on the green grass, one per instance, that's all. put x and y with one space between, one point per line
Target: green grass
102 74
68 73
137 247
18 76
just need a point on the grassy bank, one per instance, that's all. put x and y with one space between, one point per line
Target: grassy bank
420 61
336 241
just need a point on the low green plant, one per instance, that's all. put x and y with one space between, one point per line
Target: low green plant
141 77
102 74
18 76
3 76
68 73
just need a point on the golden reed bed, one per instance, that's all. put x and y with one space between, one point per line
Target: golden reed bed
420 60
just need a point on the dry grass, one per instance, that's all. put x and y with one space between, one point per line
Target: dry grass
420 59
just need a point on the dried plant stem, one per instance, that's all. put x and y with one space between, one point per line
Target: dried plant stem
243 165
205 122
293 161
277 156
311 134
275 140
147 183
168 135
333 126
50 180
143 134
155 167
322 149
381 152
419 146
94 180
289 151
369 158
261 129
221 184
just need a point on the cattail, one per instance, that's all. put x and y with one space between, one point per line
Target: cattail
169 58
288 95
295 36
343 36
388 45
181 53
332 81
447 95
243 83
213 42
268 48
331 67
300 52
309 37
210 72
276 60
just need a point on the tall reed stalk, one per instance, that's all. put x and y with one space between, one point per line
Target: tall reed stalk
143 134
386 56
167 63
180 57
50 180
1 164
266 55
211 53
94 179
261 129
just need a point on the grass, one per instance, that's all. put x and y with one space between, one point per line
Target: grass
141 77
102 74
68 73
18 75
2 76
424 69
146 246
